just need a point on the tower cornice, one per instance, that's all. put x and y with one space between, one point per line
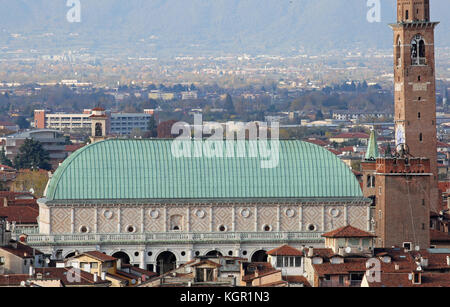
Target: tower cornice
414 24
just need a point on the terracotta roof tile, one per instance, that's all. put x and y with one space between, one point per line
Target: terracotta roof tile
21 250
285 250
62 275
297 280
98 255
348 232
20 214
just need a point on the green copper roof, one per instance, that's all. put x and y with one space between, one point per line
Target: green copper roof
372 148
146 169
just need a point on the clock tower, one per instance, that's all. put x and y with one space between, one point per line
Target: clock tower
415 84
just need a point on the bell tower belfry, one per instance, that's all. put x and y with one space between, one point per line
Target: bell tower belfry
99 125
405 188
415 84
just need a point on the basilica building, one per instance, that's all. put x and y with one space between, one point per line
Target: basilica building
136 200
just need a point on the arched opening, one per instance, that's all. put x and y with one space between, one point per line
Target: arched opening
165 262
421 48
98 129
259 256
122 256
213 254
70 255
176 223
398 54
418 51
369 181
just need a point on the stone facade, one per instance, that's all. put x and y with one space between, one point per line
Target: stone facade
223 217
188 229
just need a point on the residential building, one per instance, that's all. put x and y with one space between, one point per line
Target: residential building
52 141
16 257
211 271
118 123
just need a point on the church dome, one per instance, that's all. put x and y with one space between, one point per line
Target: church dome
147 169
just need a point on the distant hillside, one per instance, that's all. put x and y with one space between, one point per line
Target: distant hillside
177 26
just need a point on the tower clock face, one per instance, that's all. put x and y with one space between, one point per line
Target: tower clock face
400 134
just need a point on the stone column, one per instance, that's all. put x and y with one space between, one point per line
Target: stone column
256 217
278 218
142 259
300 218
188 219
142 220
96 220
72 220
233 223
119 227
211 219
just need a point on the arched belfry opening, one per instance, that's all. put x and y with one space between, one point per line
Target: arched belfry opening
418 52
98 130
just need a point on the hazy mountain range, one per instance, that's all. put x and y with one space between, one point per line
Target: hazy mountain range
184 26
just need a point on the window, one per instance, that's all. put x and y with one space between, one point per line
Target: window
341 279
421 137
291 261
209 275
327 277
398 52
407 245
418 115
418 51
94 265
298 262
407 15
2 260
279 262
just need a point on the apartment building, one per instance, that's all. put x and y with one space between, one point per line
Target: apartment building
52 140
120 123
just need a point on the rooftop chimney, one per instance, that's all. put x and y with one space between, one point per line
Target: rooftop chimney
95 277
397 267
310 252
103 275
448 260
